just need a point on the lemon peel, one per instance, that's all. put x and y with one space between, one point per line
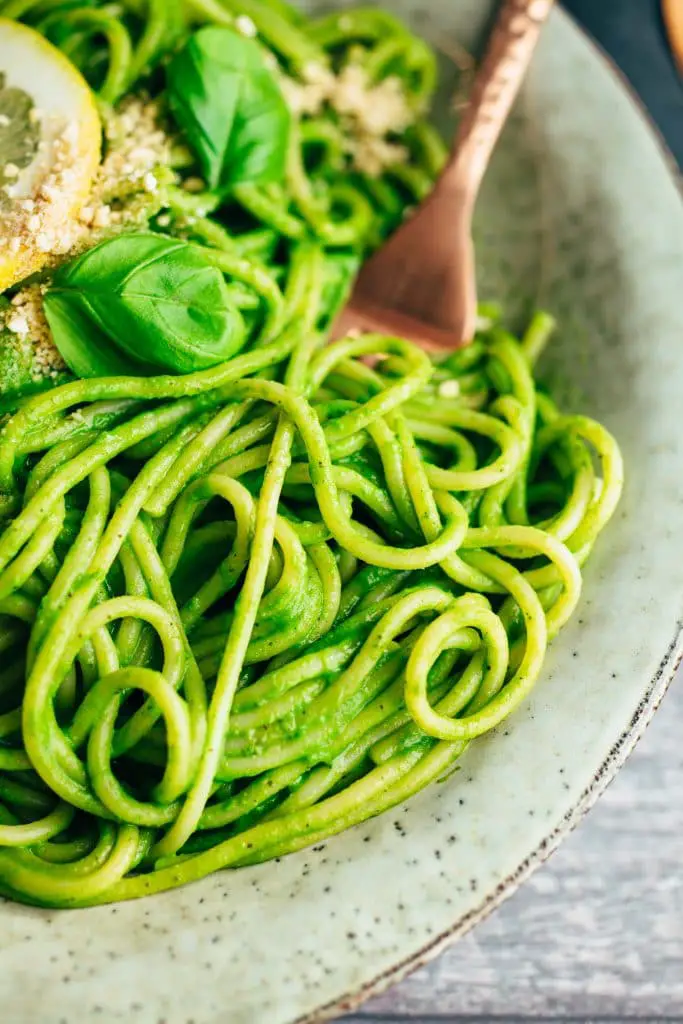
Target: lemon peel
39 216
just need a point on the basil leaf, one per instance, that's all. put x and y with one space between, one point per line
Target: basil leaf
231 109
143 303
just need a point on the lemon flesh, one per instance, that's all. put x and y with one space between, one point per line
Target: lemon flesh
49 158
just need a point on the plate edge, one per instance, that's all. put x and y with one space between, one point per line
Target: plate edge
604 775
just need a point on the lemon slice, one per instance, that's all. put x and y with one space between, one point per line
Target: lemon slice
50 139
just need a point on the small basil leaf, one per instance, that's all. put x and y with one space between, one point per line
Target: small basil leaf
231 109
157 300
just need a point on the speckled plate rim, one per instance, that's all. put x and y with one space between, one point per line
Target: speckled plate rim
620 750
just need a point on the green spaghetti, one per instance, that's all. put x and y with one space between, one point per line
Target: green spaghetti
256 588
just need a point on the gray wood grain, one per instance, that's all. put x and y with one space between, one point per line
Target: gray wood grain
597 933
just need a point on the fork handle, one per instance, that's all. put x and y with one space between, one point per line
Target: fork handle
496 85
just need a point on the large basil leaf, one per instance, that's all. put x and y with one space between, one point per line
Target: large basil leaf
142 303
83 346
230 107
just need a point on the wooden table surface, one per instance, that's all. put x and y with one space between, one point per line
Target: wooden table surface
596 934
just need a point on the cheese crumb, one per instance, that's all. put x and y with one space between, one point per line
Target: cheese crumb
137 146
102 217
449 389
310 95
245 26
5 121
372 154
18 324
46 216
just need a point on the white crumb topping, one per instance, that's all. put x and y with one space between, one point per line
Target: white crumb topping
18 324
377 109
245 26
136 147
26 319
371 114
150 182
101 217
194 185
372 154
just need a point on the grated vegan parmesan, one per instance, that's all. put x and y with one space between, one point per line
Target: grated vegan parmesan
45 218
449 389
137 146
370 113
373 154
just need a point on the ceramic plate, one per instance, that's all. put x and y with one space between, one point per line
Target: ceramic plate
580 213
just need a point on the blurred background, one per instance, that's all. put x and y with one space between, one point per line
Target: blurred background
632 33
597 934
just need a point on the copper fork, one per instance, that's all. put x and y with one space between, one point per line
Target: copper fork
422 284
